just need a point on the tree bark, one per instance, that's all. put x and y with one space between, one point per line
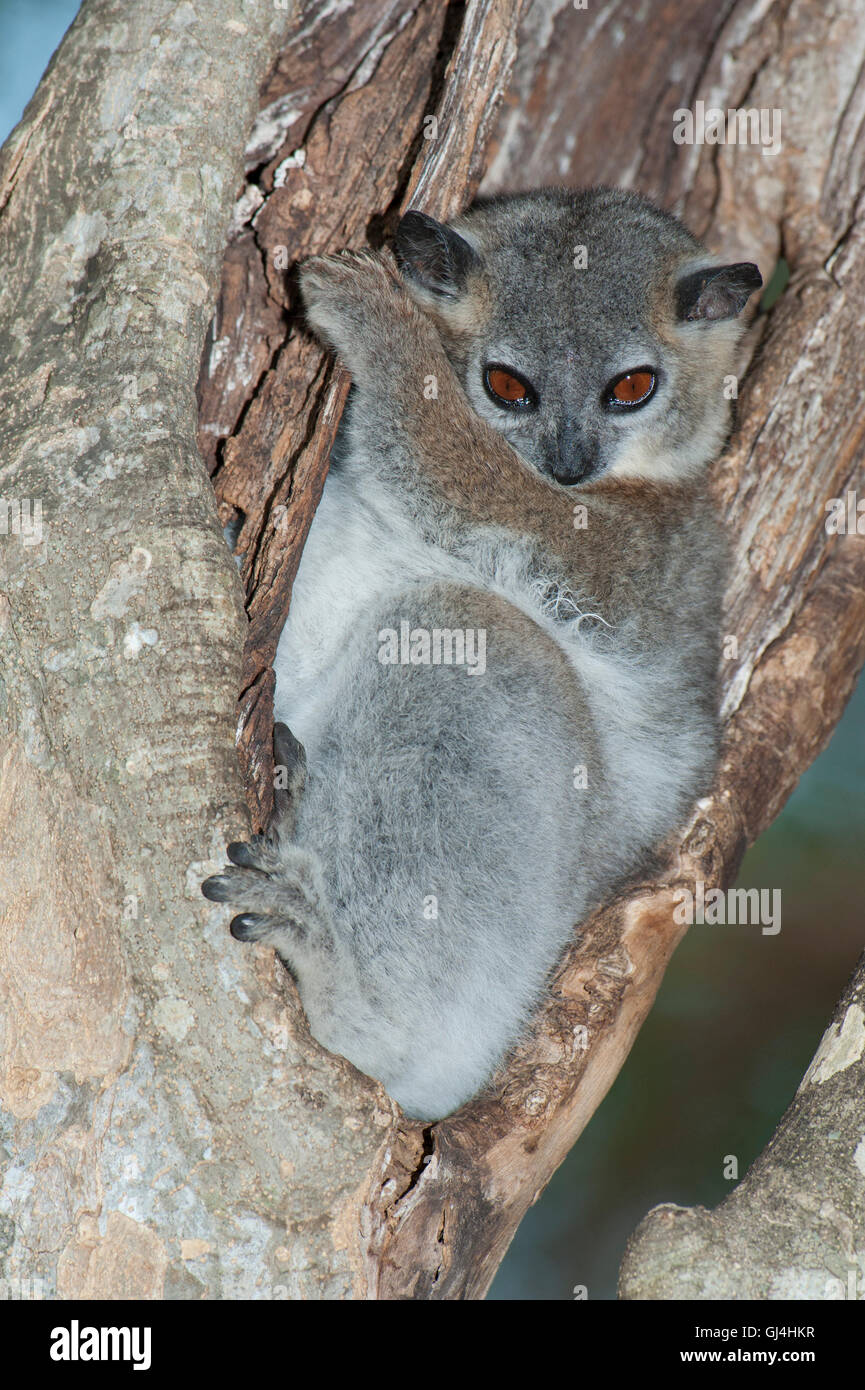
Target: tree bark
183 1134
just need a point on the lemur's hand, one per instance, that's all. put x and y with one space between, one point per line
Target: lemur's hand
277 885
410 404
357 304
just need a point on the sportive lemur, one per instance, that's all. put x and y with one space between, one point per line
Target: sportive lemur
501 653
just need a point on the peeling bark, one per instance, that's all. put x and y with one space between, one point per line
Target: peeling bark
353 156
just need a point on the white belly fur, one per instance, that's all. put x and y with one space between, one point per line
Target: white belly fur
363 550
359 552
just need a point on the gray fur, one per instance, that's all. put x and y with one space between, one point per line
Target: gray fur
426 782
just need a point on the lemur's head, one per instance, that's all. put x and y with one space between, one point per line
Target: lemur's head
589 328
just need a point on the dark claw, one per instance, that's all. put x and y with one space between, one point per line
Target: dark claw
247 926
217 889
241 853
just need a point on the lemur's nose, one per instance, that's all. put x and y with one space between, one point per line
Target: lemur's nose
574 473
572 457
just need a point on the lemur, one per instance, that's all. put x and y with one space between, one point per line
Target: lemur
537 392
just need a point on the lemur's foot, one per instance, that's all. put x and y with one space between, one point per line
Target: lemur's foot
280 890
355 301
278 886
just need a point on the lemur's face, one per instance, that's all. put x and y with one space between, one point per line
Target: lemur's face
590 329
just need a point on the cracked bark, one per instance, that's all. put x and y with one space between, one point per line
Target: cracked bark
185 1135
342 146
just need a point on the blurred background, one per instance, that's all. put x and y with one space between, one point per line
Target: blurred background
739 1014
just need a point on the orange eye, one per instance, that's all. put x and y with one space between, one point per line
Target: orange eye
633 388
506 388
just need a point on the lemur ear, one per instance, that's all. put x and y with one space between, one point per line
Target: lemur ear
434 257
716 292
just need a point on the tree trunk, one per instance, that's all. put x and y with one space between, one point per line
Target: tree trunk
174 1130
